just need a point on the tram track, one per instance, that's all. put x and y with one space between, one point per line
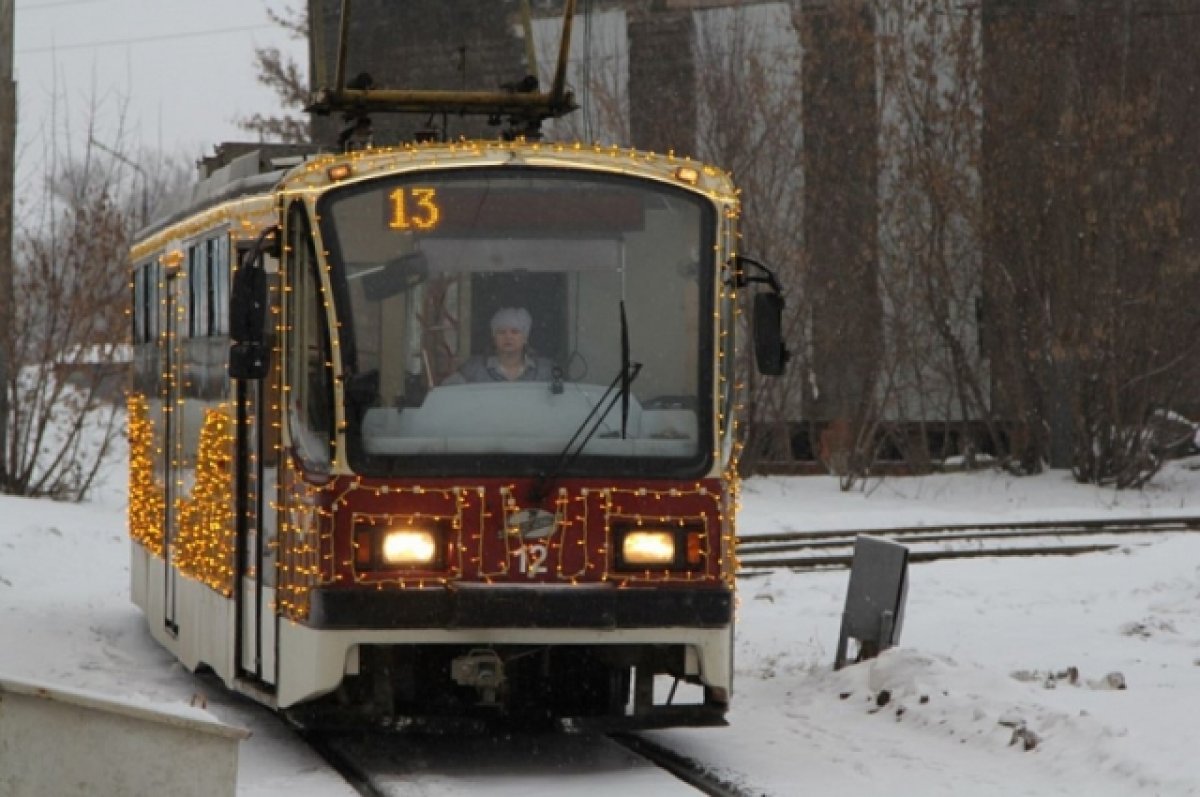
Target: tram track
396 764
817 550
686 769
325 746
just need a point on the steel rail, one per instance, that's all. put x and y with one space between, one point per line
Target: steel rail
1188 523
686 769
355 778
759 553
752 547
844 560
675 764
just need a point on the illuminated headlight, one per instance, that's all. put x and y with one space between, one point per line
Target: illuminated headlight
685 548
409 547
648 548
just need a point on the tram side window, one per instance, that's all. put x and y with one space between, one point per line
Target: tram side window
210 283
139 304
153 310
310 409
142 308
146 310
197 291
141 370
218 281
208 288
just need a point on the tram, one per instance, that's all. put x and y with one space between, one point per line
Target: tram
327 514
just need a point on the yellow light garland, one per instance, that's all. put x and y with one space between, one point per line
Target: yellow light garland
204 547
146 502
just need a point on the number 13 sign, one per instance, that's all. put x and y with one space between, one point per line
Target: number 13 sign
413 208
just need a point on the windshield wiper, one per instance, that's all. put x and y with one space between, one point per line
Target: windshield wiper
624 379
566 457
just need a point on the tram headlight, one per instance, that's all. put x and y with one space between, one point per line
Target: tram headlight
409 547
682 548
380 545
648 548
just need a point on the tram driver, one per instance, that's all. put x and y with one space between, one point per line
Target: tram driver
512 360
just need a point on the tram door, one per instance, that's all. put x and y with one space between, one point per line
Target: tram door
171 323
256 474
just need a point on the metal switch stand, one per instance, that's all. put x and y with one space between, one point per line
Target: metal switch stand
875 599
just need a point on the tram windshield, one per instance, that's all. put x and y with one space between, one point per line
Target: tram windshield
486 317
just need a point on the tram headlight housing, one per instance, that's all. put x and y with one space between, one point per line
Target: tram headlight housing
642 548
378 547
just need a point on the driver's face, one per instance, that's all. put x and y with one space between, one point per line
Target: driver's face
508 340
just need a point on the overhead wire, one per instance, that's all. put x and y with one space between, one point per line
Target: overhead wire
45 6
161 37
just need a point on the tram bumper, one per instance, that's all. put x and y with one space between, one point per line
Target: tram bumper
317 654
576 607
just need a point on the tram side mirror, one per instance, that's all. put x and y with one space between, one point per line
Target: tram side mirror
397 275
770 353
249 360
249 357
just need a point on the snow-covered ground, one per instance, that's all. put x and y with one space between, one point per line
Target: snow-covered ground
986 660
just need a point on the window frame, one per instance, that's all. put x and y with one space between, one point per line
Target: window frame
584 466
316 448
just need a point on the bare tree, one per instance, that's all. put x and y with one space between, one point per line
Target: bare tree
931 218
1093 223
748 79
848 389
288 80
67 342
68 330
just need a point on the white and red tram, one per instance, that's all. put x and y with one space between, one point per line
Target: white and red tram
327 520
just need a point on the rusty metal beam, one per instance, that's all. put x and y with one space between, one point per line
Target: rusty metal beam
558 87
534 104
343 47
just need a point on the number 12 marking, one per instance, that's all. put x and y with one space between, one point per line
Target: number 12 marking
533 558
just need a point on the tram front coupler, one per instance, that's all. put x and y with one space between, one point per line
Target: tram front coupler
484 671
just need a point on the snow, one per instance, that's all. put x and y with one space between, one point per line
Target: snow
996 655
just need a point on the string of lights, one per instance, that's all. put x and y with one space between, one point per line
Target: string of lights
312 514
204 546
146 500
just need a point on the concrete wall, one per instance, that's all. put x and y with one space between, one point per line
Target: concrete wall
63 743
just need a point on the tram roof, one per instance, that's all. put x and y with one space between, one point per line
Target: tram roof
264 169
610 159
